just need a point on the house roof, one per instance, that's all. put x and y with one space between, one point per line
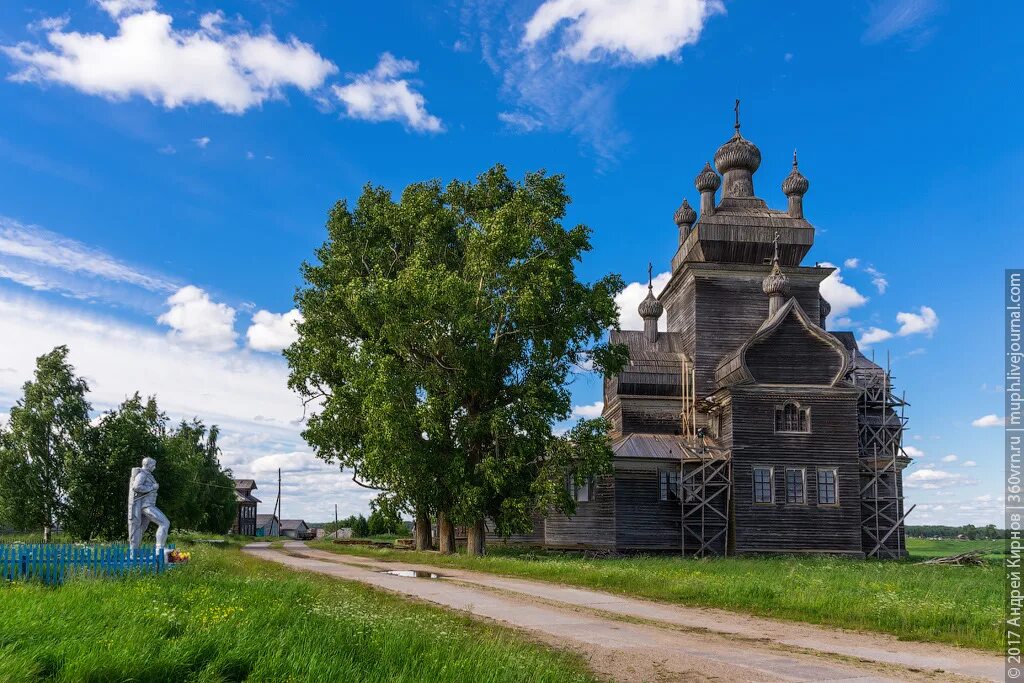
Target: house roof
242 497
263 520
293 524
246 484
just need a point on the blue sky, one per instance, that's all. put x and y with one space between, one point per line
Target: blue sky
166 167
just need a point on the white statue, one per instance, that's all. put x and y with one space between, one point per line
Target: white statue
142 507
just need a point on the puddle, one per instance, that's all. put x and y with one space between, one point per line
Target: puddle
412 573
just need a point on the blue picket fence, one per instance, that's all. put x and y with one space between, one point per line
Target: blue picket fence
51 563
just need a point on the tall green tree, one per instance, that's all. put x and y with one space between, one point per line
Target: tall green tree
98 482
439 335
48 430
199 494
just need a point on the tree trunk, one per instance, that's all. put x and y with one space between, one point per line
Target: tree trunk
445 533
475 538
423 541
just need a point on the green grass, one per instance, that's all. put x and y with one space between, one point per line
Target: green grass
229 617
958 605
921 548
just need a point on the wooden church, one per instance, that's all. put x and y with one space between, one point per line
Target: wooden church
746 427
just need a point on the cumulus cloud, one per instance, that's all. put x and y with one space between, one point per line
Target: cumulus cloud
936 479
989 421
851 263
382 95
923 322
202 142
629 299
873 335
272 331
638 31
196 319
949 458
913 451
588 411
840 295
147 57
969 463
230 389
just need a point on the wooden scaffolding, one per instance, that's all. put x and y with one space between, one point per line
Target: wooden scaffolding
881 420
705 481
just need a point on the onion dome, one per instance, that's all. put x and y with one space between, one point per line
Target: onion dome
737 153
650 307
795 183
776 283
707 180
685 215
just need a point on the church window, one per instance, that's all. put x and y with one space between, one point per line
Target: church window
579 490
791 417
828 493
795 485
764 485
669 484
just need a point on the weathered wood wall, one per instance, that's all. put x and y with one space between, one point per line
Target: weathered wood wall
643 522
832 442
593 525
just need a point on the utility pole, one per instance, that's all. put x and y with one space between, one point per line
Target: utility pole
277 503
335 516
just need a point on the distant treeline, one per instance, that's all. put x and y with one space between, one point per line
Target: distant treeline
968 531
380 523
59 468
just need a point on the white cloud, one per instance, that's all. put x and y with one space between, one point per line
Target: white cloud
245 394
989 421
890 18
48 258
147 57
924 322
637 31
877 279
949 458
380 95
629 299
841 296
851 263
873 335
969 463
519 121
588 411
272 331
196 319
202 142
118 8
913 451
935 479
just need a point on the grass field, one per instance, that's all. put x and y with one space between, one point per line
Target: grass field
229 617
958 605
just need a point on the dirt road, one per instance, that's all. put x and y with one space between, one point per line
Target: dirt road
630 640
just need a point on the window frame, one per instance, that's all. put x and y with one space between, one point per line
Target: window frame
803 486
754 484
665 477
802 414
835 486
574 489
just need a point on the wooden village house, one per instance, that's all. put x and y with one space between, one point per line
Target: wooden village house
245 518
747 426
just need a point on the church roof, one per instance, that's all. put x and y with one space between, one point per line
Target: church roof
662 447
734 368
